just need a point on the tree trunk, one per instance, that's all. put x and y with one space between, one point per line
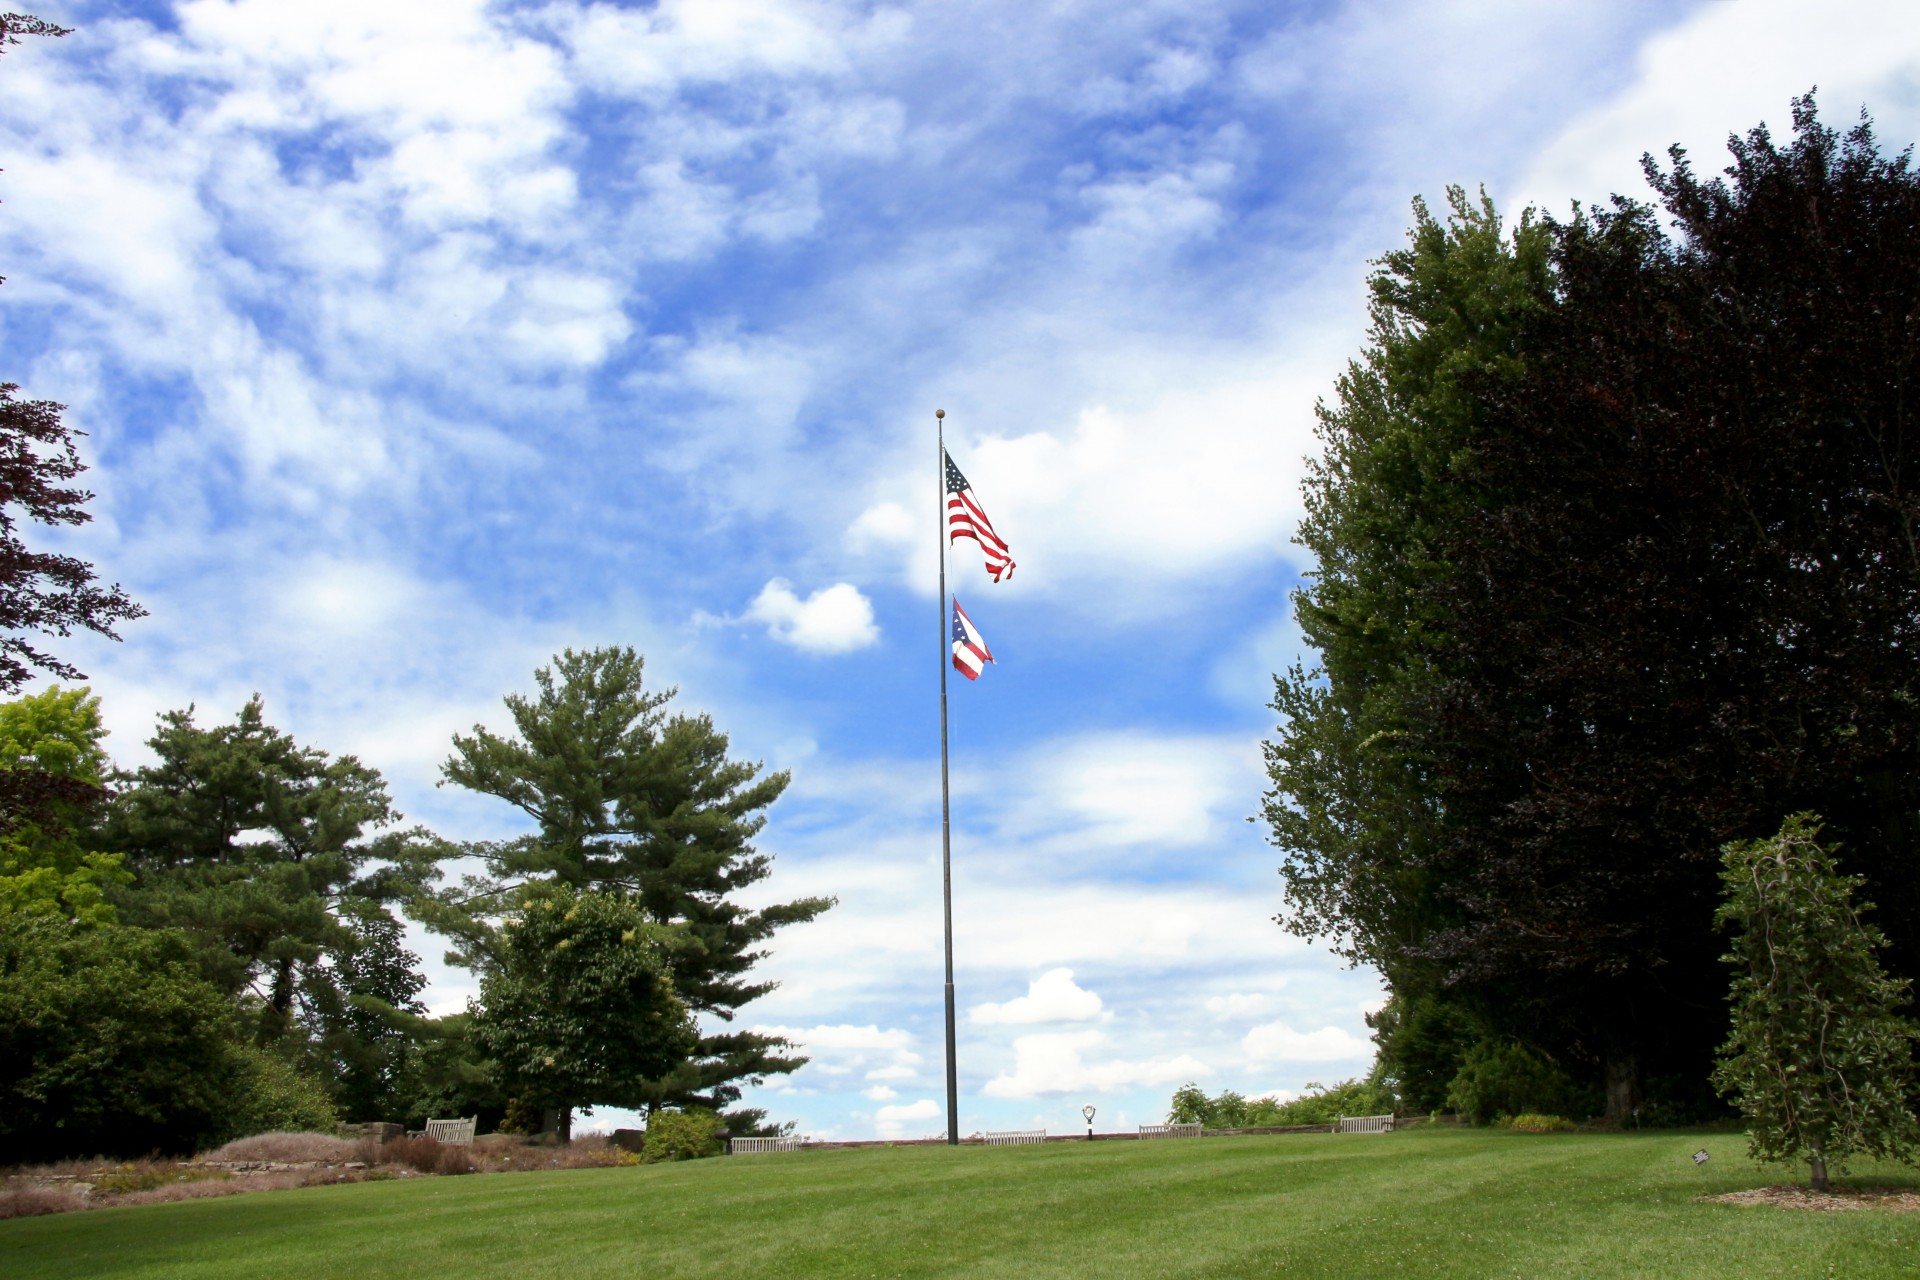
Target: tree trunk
1623 1086
281 994
558 1121
1818 1161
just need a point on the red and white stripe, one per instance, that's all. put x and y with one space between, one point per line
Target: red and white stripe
965 519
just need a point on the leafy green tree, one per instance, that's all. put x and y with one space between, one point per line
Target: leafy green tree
1424 1038
269 851
1643 573
1819 1059
629 799
52 770
1352 806
1355 804
579 1009
111 1042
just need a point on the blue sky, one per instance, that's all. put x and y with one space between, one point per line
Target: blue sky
415 342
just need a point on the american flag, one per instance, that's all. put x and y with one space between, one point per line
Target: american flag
970 652
965 519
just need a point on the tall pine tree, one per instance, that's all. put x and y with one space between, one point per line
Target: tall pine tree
628 798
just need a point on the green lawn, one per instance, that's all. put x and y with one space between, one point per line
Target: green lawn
1426 1203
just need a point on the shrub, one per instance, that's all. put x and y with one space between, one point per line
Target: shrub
1531 1122
1323 1104
31 1201
1320 1104
145 1177
114 1042
1506 1079
681 1135
296 1147
454 1160
421 1154
271 1095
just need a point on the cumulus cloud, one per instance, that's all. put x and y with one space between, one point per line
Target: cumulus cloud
1722 71
1236 1005
1278 1042
847 1051
891 1122
1063 1062
1148 789
1051 997
835 619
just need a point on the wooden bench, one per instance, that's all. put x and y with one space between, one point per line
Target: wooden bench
748 1146
1014 1137
1170 1130
1365 1124
455 1133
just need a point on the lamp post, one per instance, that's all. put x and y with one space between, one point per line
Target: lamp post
1087 1111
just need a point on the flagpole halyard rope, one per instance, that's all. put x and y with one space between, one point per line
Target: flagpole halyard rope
946 821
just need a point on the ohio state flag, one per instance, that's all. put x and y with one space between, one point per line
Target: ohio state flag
970 652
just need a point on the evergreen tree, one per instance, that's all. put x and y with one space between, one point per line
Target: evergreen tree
629 799
368 1019
1820 1061
270 852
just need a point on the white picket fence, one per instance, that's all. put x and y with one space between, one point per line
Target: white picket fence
1170 1130
1014 1137
1366 1124
748 1146
455 1133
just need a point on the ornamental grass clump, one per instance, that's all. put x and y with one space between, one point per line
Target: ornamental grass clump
295 1148
1819 1061
1532 1122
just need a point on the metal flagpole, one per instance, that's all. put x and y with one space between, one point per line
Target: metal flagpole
946 827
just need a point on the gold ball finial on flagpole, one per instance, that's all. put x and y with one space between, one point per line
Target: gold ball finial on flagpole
939 413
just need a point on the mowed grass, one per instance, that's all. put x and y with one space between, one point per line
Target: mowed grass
1421 1203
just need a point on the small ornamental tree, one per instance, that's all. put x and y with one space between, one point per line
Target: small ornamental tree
1818 1061
578 1008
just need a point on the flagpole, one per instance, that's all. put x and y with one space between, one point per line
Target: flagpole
946 820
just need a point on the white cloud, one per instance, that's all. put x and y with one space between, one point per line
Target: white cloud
1146 789
1278 1042
845 1052
891 1121
1056 1062
836 619
1237 1005
1051 997
1724 70
879 1093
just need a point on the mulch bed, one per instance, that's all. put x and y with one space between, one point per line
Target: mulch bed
1837 1200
